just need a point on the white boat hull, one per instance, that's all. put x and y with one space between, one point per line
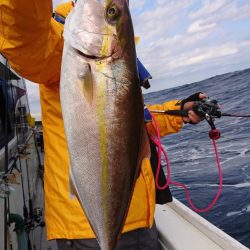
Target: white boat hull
182 229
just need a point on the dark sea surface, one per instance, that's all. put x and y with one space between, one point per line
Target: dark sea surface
192 157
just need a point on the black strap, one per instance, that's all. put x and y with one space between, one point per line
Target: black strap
177 112
192 98
171 112
162 196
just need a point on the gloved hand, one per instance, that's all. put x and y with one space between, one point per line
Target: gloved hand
188 104
147 115
146 84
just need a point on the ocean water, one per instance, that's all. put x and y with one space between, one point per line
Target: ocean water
192 157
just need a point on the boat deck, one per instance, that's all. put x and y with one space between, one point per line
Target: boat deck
31 174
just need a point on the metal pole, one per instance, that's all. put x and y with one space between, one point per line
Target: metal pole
23 121
6 158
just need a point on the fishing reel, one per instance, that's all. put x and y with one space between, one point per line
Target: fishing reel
209 109
35 220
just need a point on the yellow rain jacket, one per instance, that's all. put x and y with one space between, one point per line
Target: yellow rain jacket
32 41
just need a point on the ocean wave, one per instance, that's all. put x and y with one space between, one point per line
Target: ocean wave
191 148
243 211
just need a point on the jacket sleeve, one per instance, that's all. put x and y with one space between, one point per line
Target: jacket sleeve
168 124
31 40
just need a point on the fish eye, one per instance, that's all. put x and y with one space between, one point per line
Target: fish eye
112 13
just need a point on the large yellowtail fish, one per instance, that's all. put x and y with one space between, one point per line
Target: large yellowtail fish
103 113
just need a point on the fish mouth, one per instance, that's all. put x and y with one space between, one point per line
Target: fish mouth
91 57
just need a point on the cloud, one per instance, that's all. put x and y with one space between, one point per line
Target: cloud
199 64
235 12
197 56
135 4
219 10
208 7
56 2
182 40
37 116
207 54
159 20
200 26
34 98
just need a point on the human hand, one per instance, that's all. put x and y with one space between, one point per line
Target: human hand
188 105
146 84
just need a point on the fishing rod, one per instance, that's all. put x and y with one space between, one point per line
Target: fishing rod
185 113
32 216
202 108
6 158
206 109
235 115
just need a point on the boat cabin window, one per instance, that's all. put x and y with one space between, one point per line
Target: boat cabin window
3 110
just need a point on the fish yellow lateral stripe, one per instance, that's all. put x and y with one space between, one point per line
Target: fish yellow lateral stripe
101 103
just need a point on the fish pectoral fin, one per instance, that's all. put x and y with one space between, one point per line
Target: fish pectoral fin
87 85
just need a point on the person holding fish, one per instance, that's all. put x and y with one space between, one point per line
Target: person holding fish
95 135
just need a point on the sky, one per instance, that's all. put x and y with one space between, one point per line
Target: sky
185 41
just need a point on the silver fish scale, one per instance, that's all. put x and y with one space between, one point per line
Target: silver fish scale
103 115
